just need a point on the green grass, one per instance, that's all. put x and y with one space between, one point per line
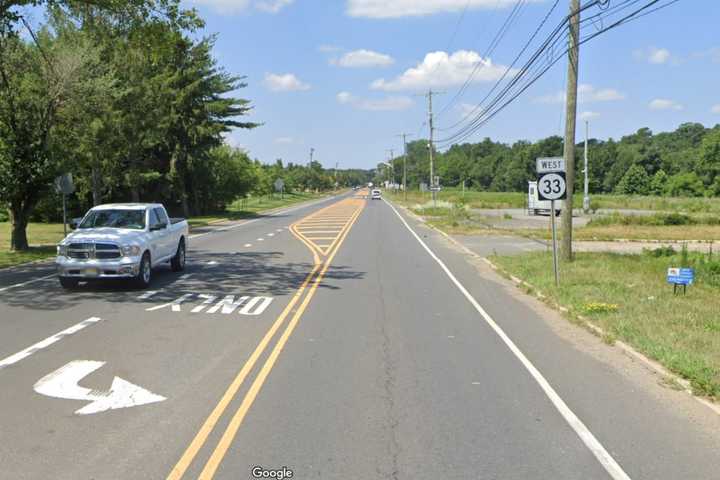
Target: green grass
628 297
42 237
493 200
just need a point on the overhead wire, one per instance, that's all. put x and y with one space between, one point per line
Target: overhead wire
532 71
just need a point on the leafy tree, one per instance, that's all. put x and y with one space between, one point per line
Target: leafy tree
658 183
686 184
635 182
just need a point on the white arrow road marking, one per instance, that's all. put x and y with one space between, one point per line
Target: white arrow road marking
27 283
21 355
63 383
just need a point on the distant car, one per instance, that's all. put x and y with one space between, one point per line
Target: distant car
375 195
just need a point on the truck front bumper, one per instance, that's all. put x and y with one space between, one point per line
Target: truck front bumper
126 267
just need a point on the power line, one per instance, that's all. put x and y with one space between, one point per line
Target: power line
539 70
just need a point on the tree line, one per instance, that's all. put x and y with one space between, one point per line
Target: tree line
682 163
127 97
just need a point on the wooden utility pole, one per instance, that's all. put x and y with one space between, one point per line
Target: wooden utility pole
570 119
405 155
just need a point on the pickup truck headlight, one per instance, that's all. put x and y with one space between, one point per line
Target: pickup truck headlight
62 250
130 250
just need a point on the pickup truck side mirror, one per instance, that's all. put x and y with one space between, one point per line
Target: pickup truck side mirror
158 226
75 222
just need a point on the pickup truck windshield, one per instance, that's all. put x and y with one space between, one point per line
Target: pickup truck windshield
132 219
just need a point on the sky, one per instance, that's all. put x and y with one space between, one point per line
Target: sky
345 77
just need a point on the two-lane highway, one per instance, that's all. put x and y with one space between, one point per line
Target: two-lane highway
335 340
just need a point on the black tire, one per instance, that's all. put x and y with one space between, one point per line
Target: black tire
68 283
177 263
144 276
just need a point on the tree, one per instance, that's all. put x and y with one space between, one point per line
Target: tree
686 184
635 182
658 183
710 157
35 83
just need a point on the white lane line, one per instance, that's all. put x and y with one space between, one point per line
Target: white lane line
592 443
260 239
27 283
248 245
270 234
147 295
23 354
279 230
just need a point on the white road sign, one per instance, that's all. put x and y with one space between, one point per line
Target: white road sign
552 186
550 164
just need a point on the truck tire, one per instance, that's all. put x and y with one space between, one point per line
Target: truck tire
177 263
144 276
68 283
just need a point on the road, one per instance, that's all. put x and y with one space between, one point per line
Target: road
340 339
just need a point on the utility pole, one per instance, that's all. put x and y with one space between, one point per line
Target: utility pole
429 96
570 119
336 169
405 155
586 197
392 164
312 150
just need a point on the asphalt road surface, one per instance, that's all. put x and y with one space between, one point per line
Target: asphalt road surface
334 340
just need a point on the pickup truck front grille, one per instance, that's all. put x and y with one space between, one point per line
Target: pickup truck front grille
101 251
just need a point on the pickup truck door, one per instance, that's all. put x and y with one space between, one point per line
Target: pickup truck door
167 239
156 236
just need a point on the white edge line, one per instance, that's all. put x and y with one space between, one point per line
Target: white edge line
21 355
592 443
27 283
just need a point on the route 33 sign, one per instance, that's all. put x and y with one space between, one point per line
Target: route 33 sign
552 186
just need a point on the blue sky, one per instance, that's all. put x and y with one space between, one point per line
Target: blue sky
343 76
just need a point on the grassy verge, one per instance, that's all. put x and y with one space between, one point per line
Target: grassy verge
44 236
251 207
492 200
628 297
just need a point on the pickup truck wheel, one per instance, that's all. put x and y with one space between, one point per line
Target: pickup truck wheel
145 272
177 264
68 283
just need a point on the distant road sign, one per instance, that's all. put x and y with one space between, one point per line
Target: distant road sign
64 184
550 165
552 186
279 184
681 276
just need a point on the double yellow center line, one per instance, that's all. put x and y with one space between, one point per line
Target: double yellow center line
336 220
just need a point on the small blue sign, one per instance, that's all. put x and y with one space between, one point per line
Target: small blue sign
681 276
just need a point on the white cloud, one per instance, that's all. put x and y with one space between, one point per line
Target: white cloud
389 103
238 6
285 140
467 109
665 104
284 83
715 108
656 56
588 115
272 6
586 94
408 8
438 69
363 59
712 53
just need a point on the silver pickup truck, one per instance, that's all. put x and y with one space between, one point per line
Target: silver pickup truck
122 241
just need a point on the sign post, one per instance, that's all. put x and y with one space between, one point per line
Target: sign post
65 186
551 186
280 186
